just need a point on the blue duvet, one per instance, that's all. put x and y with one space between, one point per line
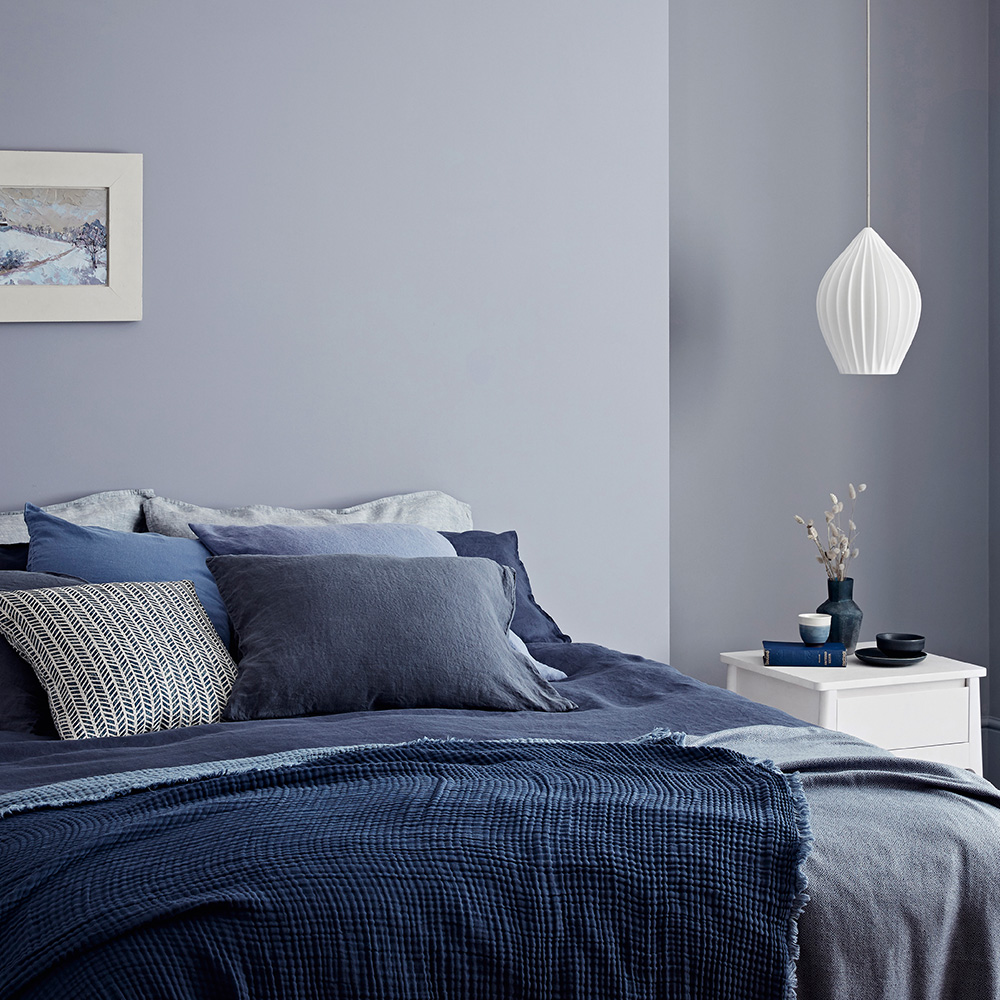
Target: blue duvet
621 696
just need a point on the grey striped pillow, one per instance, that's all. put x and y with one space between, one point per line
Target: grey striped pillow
117 659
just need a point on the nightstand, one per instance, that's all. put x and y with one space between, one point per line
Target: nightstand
929 711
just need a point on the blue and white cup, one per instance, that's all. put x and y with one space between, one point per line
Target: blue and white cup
814 629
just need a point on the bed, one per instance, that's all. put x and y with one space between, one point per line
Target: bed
588 823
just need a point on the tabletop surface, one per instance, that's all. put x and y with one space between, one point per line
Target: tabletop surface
857 674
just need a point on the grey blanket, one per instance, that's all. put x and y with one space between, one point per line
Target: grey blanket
906 868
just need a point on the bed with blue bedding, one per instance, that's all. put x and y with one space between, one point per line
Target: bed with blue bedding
621 830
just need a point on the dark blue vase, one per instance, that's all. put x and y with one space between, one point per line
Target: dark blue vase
846 624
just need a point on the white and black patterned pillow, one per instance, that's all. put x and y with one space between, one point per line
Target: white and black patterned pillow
117 659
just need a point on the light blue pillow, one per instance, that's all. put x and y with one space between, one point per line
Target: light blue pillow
403 540
546 672
101 555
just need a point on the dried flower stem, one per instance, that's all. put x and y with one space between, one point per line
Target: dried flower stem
840 548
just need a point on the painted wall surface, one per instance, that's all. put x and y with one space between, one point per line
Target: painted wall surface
992 745
767 188
388 247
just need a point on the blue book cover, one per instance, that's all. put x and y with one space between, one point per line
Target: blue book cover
798 654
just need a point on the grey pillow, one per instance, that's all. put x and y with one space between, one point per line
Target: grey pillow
430 508
120 510
348 633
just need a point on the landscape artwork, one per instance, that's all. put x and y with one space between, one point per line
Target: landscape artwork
53 236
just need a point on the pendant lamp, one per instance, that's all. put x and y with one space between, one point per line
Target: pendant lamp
868 303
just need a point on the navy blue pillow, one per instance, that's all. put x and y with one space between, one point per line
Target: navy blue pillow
14 556
101 555
531 623
24 708
347 633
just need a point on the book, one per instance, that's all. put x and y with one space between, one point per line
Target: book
798 654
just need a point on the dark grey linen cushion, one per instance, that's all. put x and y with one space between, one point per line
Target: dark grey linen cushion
119 510
348 633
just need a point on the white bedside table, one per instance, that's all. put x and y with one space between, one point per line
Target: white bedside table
929 711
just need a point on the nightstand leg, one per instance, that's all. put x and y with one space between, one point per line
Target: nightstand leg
828 709
975 727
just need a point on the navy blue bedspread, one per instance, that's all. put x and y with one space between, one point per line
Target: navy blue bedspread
621 696
435 869
418 872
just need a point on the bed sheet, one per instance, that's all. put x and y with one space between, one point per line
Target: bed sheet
620 695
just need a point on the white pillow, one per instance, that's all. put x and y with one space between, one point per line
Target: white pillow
120 510
116 659
547 673
431 508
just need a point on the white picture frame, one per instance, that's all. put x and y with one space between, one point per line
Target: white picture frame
121 297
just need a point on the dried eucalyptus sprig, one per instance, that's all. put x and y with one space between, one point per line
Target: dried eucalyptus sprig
840 548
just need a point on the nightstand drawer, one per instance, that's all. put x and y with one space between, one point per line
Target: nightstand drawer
907 715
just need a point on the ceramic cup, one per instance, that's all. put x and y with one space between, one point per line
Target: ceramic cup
814 629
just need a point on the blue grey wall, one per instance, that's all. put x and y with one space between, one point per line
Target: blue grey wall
767 178
395 246
389 246
993 731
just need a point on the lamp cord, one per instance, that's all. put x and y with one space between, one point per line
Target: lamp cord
868 111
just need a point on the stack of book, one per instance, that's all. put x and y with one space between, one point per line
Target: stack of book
798 654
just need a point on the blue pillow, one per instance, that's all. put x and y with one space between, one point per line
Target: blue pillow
404 540
23 705
101 555
531 623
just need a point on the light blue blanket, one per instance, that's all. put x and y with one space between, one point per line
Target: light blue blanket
904 875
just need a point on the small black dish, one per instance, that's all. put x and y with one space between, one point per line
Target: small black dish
899 643
876 658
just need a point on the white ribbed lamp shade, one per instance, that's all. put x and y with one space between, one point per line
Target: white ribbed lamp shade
868 305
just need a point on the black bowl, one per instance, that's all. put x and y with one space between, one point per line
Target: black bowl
900 643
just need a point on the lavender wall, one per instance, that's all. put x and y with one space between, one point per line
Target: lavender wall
767 180
992 745
398 246
388 246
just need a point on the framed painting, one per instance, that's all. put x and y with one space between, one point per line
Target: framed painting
70 237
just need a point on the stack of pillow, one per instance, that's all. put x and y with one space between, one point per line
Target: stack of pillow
259 612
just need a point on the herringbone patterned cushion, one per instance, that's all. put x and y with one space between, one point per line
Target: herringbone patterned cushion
117 659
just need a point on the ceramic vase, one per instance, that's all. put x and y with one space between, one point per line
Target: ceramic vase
846 615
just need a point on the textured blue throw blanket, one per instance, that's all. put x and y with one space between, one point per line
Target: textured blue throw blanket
435 869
